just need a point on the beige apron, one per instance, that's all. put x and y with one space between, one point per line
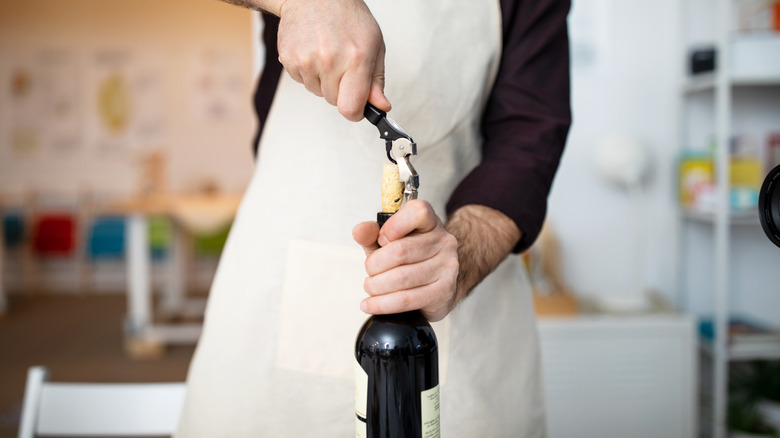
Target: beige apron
277 352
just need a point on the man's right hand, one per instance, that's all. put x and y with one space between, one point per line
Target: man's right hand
335 48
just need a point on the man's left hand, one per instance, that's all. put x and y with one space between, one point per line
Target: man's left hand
412 263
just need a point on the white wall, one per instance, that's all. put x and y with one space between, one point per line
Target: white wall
629 87
634 89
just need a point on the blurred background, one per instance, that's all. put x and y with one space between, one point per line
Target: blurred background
125 146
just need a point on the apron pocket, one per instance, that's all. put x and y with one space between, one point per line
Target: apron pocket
319 315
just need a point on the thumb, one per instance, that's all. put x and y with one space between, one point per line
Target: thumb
365 234
377 93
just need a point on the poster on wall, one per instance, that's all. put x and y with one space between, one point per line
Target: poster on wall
216 91
111 105
22 104
125 111
61 96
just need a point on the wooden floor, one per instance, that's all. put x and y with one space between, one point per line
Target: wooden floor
78 338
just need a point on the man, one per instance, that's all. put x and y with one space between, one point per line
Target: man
482 87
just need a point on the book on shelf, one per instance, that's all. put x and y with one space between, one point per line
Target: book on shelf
743 332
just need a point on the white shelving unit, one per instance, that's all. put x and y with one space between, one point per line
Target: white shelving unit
721 84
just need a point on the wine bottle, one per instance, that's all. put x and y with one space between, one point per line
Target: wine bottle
396 369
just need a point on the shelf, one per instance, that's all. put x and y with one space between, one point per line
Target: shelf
707 81
742 218
699 83
756 81
758 350
750 64
747 339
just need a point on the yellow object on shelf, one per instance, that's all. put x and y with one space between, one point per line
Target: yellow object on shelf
746 172
697 181
696 177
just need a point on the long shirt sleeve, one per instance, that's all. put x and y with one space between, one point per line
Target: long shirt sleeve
526 120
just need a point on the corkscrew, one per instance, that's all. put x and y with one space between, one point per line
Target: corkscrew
399 147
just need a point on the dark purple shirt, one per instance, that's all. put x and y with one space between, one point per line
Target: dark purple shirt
526 120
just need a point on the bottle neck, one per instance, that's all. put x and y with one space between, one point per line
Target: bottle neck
382 217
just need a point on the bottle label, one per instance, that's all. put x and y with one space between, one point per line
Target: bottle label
361 400
431 422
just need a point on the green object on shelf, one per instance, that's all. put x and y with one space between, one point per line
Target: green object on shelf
160 236
210 244
745 417
756 380
750 383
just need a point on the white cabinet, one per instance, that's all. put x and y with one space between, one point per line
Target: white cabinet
621 377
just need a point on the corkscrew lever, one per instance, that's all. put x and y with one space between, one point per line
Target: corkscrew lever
399 147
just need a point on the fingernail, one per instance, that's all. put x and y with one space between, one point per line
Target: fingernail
382 241
364 307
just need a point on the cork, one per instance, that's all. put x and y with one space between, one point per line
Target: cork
392 189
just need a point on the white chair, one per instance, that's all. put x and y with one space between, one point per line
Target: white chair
105 409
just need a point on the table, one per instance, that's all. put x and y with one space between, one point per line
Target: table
190 213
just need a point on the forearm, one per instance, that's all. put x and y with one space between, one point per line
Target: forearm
272 6
485 237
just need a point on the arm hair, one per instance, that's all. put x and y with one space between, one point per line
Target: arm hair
485 237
